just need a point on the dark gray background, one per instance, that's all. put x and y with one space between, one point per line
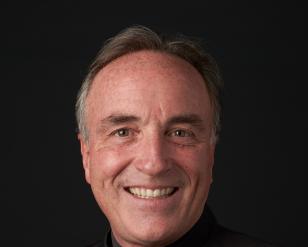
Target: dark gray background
260 185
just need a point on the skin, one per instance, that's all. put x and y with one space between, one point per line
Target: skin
149 119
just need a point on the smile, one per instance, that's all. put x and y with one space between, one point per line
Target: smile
151 193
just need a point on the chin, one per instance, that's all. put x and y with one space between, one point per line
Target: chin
155 233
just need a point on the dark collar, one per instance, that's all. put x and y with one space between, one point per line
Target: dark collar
197 236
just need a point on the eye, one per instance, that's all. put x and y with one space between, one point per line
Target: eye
121 132
181 133
182 137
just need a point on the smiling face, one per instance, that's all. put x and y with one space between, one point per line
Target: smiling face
150 151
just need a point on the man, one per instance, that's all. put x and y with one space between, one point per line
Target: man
148 117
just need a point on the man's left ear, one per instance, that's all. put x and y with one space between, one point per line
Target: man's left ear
84 148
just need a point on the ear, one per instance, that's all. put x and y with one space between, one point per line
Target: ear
84 148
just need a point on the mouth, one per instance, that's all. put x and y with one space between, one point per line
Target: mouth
156 193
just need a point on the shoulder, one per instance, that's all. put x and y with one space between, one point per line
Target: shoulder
223 237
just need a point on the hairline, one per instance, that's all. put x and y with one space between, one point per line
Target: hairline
180 47
89 81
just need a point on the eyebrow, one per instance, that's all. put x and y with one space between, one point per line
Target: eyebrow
116 119
192 119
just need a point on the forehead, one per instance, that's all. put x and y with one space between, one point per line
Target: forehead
148 78
145 63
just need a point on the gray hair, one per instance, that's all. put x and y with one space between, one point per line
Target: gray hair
139 38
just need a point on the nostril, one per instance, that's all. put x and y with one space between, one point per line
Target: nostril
153 167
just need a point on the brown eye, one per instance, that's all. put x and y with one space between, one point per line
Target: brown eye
122 132
181 133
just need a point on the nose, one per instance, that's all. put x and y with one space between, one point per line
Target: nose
153 156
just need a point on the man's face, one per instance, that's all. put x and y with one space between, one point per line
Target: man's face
150 151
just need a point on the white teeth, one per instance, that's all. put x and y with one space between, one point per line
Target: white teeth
136 191
143 192
149 193
163 192
168 190
156 193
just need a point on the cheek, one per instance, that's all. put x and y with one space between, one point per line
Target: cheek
195 161
107 163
